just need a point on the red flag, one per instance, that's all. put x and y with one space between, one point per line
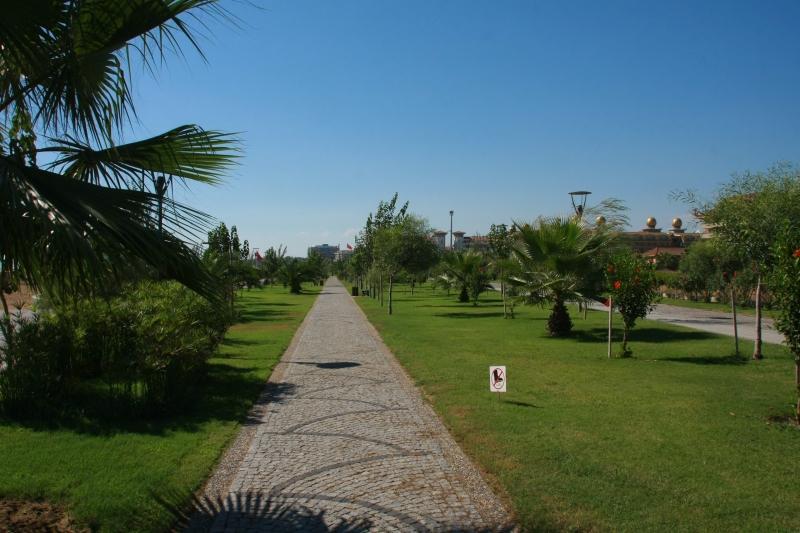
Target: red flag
349 247
258 256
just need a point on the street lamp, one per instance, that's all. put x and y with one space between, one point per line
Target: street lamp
580 204
451 229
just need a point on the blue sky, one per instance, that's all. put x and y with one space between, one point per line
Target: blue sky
495 109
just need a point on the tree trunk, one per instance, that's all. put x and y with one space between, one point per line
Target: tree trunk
757 345
797 386
5 304
380 289
625 341
735 323
391 284
390 288
503 296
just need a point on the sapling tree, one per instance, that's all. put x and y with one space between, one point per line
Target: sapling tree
633 289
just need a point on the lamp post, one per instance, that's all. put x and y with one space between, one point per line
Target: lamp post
579 204
451 229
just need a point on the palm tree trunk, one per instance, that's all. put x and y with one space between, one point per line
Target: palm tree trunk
391 284
757 345
5 303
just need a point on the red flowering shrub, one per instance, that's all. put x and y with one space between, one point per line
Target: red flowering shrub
632 285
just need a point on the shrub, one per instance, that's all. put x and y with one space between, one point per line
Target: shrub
633 289
35 364
140 351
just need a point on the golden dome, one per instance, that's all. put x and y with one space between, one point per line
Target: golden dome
600 220
677 223
651 222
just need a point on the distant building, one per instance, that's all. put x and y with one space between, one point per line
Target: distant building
651 241
327 251
479 243
439 238
342 255
458 240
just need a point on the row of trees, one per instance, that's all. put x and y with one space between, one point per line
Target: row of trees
756 216
550 261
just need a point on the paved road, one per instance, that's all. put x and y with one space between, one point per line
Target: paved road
713 322
345 441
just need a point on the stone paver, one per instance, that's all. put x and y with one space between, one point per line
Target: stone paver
346 443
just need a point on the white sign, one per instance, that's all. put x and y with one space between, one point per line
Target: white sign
497 379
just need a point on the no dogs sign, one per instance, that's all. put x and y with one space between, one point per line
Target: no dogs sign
497 379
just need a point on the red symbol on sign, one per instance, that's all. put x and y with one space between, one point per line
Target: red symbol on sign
498 378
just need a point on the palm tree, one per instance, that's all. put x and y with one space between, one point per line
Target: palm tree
293 273
97 208
559 260
469 271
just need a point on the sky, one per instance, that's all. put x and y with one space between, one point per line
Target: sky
495 109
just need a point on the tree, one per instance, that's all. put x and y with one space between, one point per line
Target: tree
294 273
633 288
698 269
386 215
785 283
500 241
317 267
404 246
559 260
745 214
272 262
470 272
90 215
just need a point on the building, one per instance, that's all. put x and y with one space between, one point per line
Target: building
439 238
458 240
343 254
479 243
651 240
328 251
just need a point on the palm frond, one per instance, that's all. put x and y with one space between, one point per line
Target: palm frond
75 58
187 152
64 234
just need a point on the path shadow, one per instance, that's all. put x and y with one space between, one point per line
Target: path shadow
226 393
331 365
262 315
254 512
522 404
645 334
489 314
721 360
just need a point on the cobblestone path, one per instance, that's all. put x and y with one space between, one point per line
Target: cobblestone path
346 443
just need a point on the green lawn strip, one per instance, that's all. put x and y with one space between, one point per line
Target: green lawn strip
716 306
110 476
677 438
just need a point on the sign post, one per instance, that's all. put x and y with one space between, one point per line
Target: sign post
497 379
610 315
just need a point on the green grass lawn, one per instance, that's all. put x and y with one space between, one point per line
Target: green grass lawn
722 308
109 475
679 437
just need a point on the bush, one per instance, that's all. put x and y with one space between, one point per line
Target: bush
141 351
35 364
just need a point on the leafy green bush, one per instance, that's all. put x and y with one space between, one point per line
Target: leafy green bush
34 364
141 351
633 288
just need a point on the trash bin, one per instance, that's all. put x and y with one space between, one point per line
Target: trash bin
354 291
